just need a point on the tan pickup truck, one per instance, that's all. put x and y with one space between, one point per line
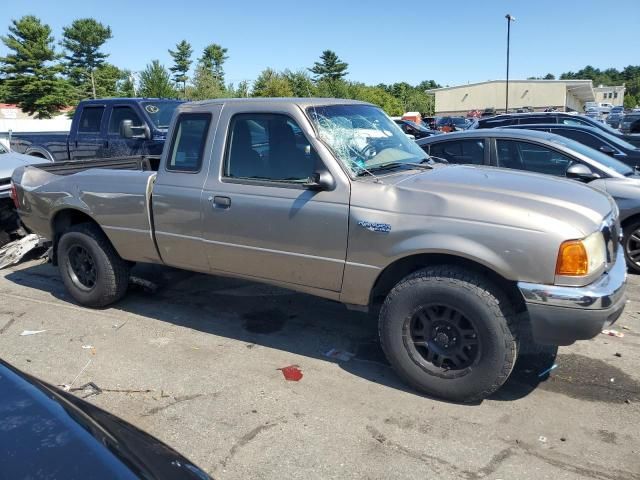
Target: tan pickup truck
330 198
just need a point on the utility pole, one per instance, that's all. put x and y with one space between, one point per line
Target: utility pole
510 19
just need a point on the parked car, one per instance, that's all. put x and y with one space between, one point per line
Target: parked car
97 131
9 222
630 124
412 128
594 114
552 117
614 118
474 114
451 124
488 112
550 154
593 137
49 433
429 122
304 194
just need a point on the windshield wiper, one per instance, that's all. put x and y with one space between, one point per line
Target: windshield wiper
389 166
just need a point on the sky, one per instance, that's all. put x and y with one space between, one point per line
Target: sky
452 42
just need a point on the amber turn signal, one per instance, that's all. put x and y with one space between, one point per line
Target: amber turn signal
572 259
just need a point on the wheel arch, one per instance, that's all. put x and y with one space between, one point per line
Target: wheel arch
62 220
40 153
400 268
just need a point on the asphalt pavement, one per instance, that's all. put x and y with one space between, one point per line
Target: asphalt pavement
198 362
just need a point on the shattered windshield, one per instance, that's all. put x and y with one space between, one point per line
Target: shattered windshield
161 111
364 138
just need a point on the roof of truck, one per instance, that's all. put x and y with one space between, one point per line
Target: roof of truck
302 102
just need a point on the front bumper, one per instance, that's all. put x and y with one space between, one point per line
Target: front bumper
562 315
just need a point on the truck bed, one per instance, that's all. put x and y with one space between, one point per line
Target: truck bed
69 167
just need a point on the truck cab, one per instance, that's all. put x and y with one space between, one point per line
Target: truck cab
97 128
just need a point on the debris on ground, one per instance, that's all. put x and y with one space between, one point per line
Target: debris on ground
542 439
341 355
31 332
146 285
12 252
613 333
548 370
87 347
67 387
618 354
291 373
624 327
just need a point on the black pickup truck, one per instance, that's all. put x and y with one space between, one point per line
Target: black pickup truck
104 128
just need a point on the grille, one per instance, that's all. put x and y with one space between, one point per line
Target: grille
612 235
5 181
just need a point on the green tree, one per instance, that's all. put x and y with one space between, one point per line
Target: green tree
329 67
205 85
213 58
107 80
242 91
377 96
336 88
82 42
155 81
126 84
31 79
301 83
549 76
271 84
181 63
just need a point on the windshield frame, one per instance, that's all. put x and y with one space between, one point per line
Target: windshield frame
311 113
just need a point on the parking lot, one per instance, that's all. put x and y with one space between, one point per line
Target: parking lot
196 363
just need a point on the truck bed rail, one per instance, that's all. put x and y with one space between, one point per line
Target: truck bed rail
144 163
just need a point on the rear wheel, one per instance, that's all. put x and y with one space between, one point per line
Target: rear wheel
448 332
91 269
631 243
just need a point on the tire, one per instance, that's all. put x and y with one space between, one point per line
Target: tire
629 244
91 269
449 309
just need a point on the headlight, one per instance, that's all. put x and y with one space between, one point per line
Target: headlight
577 258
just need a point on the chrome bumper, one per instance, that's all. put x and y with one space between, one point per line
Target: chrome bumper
562 315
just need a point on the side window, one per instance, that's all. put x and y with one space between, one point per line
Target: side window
461 151
189 139
573 121
2 149
90 119
537 119
118 114
531 157
581 137
268 147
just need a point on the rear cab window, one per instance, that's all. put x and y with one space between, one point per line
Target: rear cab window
90 119
187 145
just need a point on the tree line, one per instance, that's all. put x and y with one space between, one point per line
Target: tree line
43 76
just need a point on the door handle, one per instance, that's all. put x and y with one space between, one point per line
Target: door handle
221 202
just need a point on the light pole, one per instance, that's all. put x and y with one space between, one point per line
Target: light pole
510 18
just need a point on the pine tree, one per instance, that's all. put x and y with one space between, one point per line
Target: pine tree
126 85
155 81
31 80
181 63
82 41
213 58
271 84
330 67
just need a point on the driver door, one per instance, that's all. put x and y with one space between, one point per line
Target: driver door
259 220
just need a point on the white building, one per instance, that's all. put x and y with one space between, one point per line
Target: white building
563 95
612 95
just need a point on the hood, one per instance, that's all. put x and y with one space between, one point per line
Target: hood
11 160
501 196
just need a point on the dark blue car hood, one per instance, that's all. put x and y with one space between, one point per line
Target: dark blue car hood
48 433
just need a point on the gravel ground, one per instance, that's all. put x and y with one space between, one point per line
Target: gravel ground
196 363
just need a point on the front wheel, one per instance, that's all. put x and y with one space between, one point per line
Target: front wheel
631 244
449 333
91 269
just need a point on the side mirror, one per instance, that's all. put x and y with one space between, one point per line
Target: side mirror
320 180
579 171
128 130
607 149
